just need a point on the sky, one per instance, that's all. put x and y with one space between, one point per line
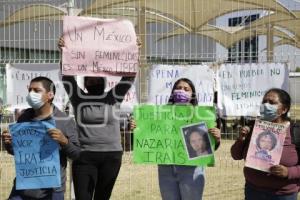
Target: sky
291 4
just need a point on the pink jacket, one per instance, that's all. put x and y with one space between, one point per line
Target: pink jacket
263 181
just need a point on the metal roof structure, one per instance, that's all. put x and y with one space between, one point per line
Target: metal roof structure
190 17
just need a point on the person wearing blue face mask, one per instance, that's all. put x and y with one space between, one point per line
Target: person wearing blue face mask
41 93
282 182
268 111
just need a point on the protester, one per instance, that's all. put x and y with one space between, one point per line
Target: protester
178 182
198 143
282 182
97 116
41 94
183 182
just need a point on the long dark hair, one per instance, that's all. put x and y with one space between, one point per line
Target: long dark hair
204 136
194 100
284 98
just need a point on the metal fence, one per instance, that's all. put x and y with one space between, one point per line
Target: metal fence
173 32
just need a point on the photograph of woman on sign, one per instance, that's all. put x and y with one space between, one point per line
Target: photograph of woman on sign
265 142
196 140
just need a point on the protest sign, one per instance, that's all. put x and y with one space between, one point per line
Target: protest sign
196 139
130 98
158 135
36 155
19 77
241 87
163 77
99 47
266 145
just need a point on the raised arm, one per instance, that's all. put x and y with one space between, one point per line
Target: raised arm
72 88
238 148
120 90
69 82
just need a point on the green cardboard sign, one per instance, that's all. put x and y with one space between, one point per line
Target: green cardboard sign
160 135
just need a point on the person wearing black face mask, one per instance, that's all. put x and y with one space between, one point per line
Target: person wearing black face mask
94 85
95 172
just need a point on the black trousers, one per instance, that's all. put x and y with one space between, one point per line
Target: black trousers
95 173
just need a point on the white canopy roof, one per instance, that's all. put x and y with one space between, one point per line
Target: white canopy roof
191 16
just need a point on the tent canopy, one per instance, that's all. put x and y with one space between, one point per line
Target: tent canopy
193 14
190 16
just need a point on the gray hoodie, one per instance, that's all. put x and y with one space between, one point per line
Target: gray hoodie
97 117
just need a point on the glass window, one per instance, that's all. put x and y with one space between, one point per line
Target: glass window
246 50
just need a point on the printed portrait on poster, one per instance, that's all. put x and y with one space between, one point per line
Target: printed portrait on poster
197 141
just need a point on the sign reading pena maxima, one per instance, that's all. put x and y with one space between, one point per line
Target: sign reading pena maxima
36 155
241 87
99 47
163 77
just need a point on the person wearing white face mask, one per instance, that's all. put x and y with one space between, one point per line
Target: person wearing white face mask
40 97
282 182
34 99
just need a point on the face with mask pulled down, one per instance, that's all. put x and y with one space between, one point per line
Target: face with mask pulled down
38 96
94 85
271 108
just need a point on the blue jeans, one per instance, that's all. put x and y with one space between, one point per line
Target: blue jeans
54 196
253 194
181 182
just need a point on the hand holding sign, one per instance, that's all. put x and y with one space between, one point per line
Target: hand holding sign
279 170
99 47
244 131
58 136
216 133
61 43
132 124
6 137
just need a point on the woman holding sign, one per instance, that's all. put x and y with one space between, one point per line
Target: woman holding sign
183 182
282 180
97 116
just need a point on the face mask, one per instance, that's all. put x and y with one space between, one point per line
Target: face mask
35 100
95 89
268 112
181 96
